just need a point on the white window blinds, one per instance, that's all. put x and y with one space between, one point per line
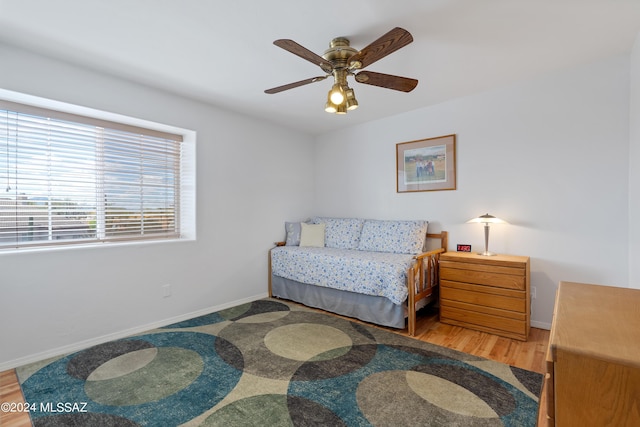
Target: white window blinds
74 179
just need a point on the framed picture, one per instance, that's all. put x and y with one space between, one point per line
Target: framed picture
426 165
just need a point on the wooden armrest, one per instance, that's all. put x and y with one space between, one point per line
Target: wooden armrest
429 253
443 236
280 243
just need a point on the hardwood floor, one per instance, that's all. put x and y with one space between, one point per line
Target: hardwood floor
528 355
10 393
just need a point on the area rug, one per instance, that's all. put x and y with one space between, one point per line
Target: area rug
271 363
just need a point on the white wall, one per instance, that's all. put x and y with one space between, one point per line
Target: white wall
550 156
634 170
53 300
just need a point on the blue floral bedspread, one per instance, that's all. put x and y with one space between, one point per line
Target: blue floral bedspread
371 273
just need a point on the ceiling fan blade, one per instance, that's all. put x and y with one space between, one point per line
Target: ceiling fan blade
403 84
388 43
296 84
304 53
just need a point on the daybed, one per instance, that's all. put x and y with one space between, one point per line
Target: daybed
373 270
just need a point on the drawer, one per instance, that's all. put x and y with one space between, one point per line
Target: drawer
515 269
474 296
496 312
488 278
489 322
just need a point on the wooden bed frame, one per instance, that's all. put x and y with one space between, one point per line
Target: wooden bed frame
422 277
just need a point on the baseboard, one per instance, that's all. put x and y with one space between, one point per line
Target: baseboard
541 325
81 345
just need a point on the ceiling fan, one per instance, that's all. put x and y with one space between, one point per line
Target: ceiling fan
341 60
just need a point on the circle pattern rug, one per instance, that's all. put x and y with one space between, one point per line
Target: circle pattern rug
269 363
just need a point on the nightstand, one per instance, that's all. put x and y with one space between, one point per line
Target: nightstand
486 293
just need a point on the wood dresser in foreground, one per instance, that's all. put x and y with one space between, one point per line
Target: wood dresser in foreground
486 293
593 362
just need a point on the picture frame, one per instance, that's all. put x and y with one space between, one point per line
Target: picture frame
426 164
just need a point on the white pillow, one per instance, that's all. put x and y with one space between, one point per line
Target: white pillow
312 235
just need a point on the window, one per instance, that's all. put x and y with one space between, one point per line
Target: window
68 178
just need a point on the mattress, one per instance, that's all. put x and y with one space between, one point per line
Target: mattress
381 274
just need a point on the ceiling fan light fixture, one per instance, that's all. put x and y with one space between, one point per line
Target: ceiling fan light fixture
352 102
342 108
330 107
337 94
349 101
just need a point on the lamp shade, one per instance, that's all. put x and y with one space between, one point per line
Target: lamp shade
330 107
352 102
487 219
336 94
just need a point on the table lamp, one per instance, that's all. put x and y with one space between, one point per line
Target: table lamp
487 219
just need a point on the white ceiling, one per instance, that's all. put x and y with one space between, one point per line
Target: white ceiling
221 52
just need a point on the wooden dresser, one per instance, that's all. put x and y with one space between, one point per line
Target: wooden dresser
486 293
593 362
